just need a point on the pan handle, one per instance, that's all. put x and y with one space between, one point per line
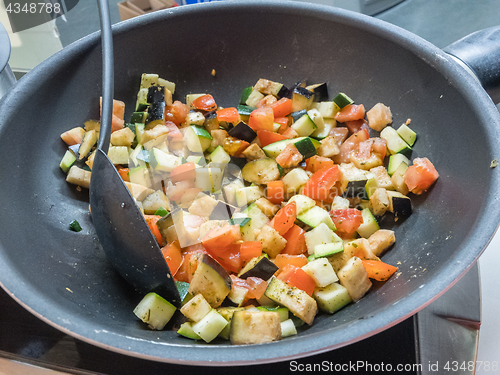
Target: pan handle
480 52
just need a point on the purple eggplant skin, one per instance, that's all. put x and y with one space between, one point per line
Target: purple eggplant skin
320 92
263 269
401 206
211 262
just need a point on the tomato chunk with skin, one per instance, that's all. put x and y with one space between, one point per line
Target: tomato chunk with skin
151 221
219 238
183 172
261 119
250 250
190 261
351 112
347 221
420 176
285 218
349 145
316 162
282 107
173 131
176 112
290 157
319 184
297 277
230 115
173 256
229 257
256 287
282 260
357 125
295 241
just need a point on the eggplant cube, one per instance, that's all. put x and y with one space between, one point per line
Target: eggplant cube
211 280
260 267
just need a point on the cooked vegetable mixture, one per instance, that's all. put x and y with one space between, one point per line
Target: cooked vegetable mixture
266 212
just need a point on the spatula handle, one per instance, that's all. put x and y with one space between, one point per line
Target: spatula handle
107 76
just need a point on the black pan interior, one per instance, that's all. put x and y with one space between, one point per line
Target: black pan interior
63 276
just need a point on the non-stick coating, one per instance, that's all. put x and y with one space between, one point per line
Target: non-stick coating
63 276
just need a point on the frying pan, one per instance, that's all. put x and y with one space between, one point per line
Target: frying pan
64 278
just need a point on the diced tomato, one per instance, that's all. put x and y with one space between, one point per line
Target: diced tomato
316 162
420 176
347 221
283 121
290 157
275 192
151 221
364 149
266 137
285 217
183 172
378 270
229 115
297 277
261 119
175 192
250 250
188 266
173 131
229 257
205 103
117 119
295 241
282 260
340 133
319 184
123 172
267 101
290 133
256 287
357 125
73 136
176 112
350 145
351 112
379 146
173 256
282 107
219 238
